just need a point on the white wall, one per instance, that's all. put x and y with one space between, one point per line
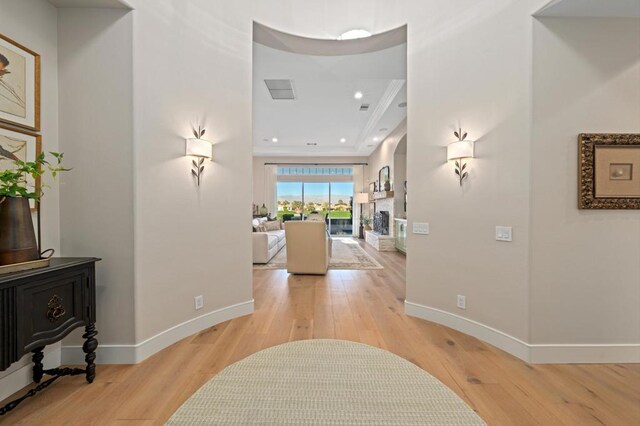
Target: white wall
192 63
33 24
471 65
585 264
96 129
467 61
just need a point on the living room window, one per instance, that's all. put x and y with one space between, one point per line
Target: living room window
334 200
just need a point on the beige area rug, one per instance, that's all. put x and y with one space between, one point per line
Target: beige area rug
324 382
346 253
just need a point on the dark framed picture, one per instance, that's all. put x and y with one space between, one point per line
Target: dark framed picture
19 84
609 171
20 145
383 178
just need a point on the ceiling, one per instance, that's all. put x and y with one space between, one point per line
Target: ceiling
324 110
107 4
592 8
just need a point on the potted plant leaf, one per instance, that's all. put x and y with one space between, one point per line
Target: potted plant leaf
17 236
366 222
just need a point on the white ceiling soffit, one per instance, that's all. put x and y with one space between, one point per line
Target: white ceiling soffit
327 47
325 110
591 9
99 4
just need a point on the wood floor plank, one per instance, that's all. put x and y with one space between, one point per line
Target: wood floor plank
364 306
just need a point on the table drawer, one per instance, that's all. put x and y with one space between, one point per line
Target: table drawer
50 308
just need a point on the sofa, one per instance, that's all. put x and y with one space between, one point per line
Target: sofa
308 248
268 239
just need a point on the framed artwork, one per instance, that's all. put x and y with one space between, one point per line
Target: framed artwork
372 188
19 85
609 171
383 176
19 145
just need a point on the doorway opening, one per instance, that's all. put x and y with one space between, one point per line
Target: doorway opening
328 119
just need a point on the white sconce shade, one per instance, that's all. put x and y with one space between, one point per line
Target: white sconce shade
460 149
198 148
361 198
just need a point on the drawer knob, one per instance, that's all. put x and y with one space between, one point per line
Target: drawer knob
56 310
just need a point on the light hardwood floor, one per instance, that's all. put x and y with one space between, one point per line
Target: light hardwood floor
364 306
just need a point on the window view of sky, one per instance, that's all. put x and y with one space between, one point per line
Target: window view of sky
315 192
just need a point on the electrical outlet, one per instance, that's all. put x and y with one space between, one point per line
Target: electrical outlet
504 233
421 228
199 302
462 301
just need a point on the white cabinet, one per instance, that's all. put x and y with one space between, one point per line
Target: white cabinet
401 235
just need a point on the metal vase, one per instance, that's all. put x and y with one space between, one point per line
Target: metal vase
17 236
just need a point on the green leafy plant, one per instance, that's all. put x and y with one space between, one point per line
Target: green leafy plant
14 182
365 220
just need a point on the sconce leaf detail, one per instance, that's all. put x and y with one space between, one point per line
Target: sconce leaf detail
200 149
198 133
197 169
458 151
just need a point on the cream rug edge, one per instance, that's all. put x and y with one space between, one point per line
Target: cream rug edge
324 382
346 254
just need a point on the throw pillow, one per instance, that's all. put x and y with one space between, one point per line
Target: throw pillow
272 226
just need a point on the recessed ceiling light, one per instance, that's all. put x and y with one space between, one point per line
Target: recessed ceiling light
342 140
384 129
370 145
402 105
311 144
358 95
376 139
274 140
353 34
265 140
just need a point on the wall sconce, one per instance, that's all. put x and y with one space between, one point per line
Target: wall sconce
199 148
458 151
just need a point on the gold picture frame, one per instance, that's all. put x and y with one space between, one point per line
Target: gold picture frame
23 145
609 171
19 85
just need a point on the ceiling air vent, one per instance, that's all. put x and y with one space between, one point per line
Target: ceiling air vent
364 107
280 89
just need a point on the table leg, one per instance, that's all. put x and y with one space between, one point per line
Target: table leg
38 369
89 347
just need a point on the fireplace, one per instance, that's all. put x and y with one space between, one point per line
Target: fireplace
381 222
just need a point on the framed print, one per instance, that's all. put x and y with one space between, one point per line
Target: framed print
19 85
19 145
609 171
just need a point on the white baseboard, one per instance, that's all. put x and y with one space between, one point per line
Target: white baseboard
533 353
497 338
20 374
133 354
585 354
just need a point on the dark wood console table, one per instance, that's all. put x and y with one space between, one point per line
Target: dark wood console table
41 306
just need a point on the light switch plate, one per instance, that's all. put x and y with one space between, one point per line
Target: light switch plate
421 228
504 233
